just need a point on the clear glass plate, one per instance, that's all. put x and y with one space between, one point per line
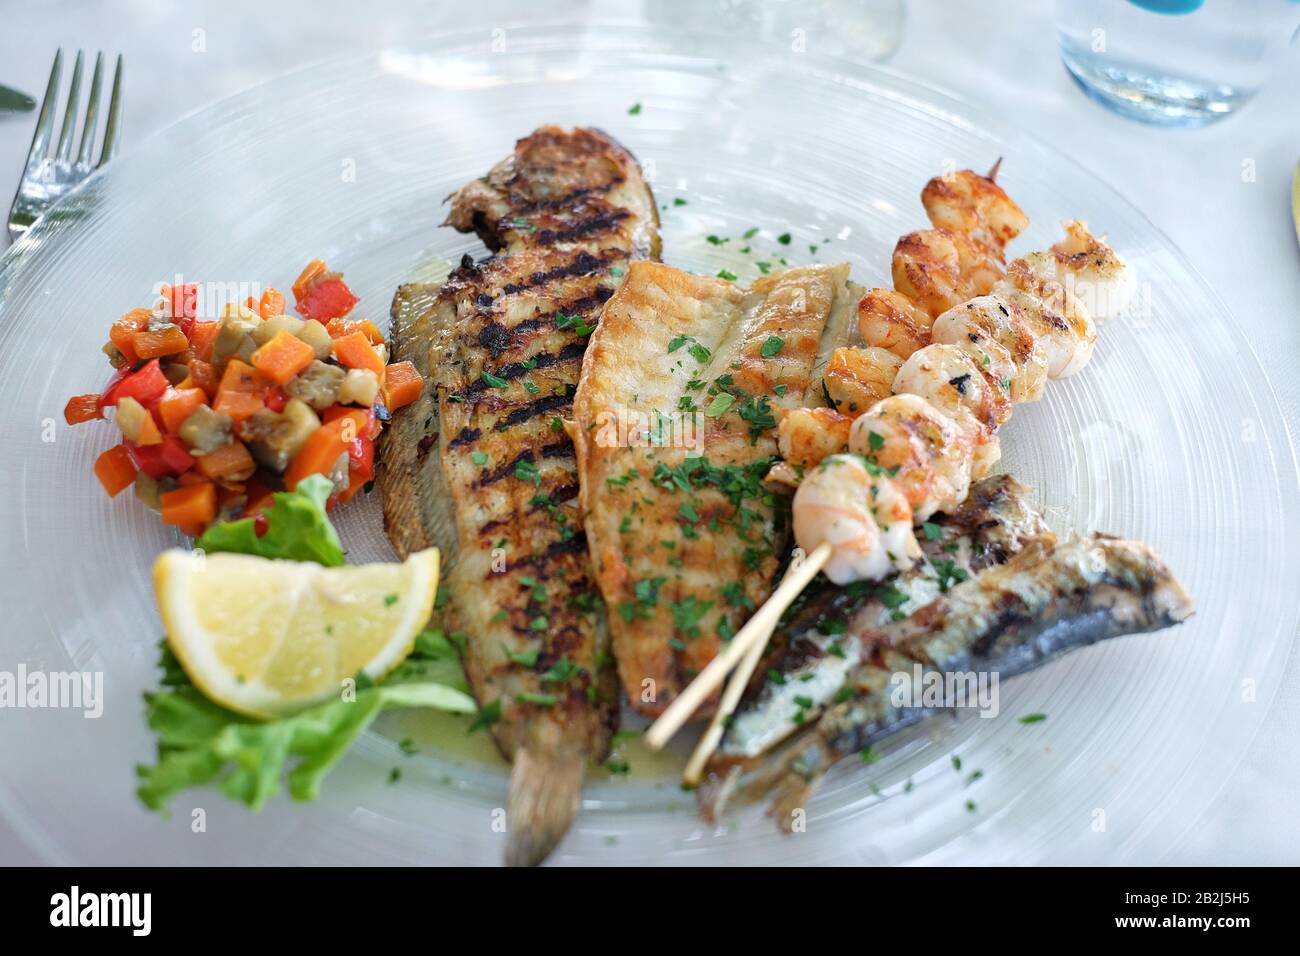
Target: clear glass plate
1172 435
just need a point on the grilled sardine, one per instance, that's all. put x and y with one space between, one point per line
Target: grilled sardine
674 423
481 466
811 654
1048 600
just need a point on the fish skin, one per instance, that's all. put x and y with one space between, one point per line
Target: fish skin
996 520
1047 600
566 213
662 569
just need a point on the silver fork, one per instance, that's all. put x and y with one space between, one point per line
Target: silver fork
47 178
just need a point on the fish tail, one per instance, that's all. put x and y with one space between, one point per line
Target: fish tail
545 793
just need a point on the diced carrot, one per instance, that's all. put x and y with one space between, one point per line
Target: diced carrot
122 332
272 304
341 326
227 461
201 338
354 351
402 385
178 404
241 377
190 506
115 470
313 269
238 405
240 393
320 452
204 376
149 432
168 341
283 357
82 408
191 477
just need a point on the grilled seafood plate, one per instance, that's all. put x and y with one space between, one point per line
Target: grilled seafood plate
481 467
674 424
1049 599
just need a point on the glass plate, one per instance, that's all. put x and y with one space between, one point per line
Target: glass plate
1172 435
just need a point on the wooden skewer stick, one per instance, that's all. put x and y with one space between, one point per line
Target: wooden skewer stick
730 698
726 707
756 630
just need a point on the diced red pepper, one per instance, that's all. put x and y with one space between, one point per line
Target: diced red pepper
183 300
276 398
369 426
145 385
322 295
167 459
82 408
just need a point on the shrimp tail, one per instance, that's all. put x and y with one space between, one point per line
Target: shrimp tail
992 175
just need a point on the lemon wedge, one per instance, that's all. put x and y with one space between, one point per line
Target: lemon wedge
265 637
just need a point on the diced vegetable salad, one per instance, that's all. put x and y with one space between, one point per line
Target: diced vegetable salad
215 416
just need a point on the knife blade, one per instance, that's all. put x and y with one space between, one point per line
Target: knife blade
11 101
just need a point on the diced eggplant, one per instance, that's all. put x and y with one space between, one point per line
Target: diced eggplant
360 387
130 417
267 329
176 373
205 430
147 490
317 385
316 335
275 437
235 334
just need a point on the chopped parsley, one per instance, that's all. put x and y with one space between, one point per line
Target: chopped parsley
772 346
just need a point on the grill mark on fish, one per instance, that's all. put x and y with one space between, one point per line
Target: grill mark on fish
539 407
467 436
551 730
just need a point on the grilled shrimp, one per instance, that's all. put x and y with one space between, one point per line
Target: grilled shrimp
865 518
805 436
1059 320
938 268
857 378
993 330
889 320
969 203
1101 280
929 456
953 382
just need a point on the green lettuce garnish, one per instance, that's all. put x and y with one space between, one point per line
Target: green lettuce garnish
297 528
200 742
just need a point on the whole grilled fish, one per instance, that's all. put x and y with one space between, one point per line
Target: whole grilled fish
674 423
1048 600
811 655
481 466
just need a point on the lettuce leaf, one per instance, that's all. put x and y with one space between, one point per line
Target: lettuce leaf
297 528
200 742
249 760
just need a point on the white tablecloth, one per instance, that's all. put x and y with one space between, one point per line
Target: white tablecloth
1000 54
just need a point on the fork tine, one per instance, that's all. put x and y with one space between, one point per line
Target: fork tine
114 116
92 114
45 122
70 116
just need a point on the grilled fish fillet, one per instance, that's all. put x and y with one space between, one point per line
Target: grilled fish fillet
1048 600
481 467
674 425
811 655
